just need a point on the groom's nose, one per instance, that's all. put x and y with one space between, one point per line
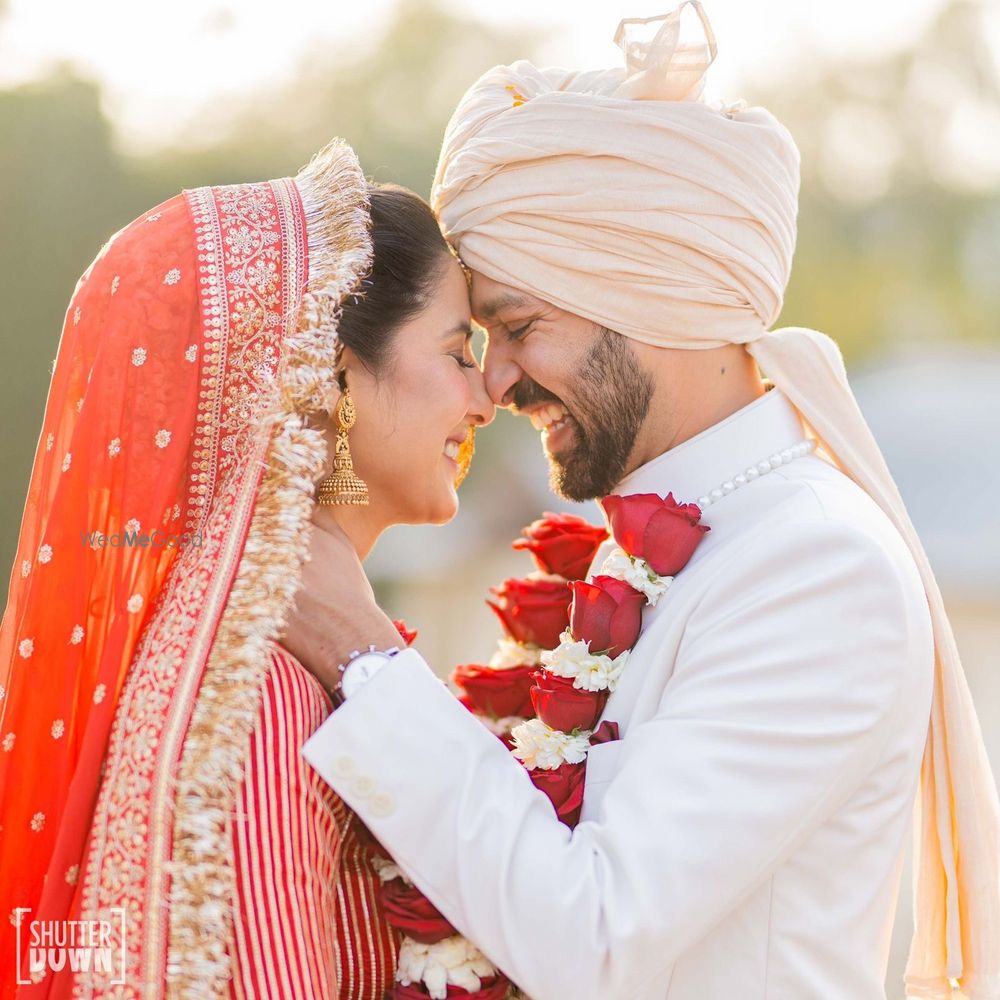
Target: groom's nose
501 371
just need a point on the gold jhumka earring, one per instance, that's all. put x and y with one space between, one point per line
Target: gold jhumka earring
465 452
343 487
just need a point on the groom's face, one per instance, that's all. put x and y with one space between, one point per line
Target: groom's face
581 385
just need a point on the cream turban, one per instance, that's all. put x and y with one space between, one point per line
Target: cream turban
622 197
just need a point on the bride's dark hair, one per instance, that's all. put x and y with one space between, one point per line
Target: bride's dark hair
408 254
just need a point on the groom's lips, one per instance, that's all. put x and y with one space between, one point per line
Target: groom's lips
557 436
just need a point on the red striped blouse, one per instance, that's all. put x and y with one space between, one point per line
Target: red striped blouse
308 920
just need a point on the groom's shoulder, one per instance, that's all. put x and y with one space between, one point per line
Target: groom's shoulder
811 517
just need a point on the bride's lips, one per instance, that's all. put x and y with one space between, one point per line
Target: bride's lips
452 448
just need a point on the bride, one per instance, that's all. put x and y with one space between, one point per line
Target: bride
228 357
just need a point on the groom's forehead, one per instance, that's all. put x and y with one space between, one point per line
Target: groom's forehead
492 300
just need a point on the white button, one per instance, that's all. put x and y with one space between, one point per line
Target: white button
344 766
362 785
381 804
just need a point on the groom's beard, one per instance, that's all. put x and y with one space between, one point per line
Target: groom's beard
609 406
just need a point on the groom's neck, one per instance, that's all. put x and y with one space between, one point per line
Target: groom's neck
694 391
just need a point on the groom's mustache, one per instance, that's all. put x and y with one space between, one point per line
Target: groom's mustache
528 393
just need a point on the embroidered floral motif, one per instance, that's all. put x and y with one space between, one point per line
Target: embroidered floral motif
162 438
38 822
8 742
172 276
132 525
191 354
72 874
66 462
139 356
26 647
114 447
45 554
135 603
25 567
50 440
99 692
76 316
115 282
76 637
58 728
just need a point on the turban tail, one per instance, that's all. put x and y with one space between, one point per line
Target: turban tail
622 197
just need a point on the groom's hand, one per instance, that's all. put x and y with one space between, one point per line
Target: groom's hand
335 611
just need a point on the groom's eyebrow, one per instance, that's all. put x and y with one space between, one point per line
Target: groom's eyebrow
492 308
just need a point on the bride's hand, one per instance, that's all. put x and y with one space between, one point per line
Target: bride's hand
335 611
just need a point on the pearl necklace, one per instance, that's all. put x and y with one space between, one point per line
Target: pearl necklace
753 472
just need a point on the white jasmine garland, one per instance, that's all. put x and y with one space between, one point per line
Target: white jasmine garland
387 870
590 672
538 746
511 653
636 573
455 960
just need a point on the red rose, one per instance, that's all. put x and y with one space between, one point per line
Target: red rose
564 787
495 692
663 532
533 611
489 989
408 909
562 543
409 636
561 706
607 613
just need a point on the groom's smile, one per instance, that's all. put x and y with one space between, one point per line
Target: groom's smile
580 384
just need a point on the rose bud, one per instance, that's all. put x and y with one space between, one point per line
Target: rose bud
496 692
409 910
607 613
564 788
561 706
661 531
533 611
563 544
408 635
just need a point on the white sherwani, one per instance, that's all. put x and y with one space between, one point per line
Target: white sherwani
744 838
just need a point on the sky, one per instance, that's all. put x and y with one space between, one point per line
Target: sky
161 64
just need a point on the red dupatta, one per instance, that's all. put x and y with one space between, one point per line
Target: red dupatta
192 349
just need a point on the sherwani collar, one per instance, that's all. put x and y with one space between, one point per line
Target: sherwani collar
767 425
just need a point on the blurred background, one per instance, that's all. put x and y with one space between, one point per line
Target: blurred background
108 108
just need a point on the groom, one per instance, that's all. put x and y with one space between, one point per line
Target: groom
744 837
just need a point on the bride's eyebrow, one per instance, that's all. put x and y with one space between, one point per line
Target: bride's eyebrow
463 328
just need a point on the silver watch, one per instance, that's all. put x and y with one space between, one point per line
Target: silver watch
360 667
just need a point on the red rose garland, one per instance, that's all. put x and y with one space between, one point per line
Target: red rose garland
566 645
656 538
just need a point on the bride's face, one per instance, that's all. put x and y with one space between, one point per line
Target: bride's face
415 411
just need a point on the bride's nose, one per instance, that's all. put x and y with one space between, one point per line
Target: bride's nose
481 409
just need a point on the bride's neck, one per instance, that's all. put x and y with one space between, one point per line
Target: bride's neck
362 525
